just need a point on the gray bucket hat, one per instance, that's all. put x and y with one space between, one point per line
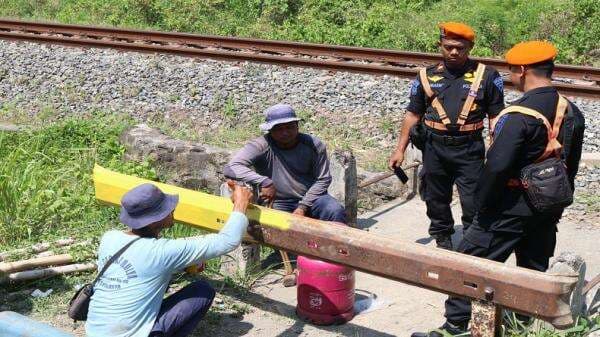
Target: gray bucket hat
278 114
146 204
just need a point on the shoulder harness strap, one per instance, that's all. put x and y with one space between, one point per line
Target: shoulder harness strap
464 113
435 103
553 146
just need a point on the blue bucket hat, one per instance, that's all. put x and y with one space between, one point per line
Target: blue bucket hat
146 204
278 114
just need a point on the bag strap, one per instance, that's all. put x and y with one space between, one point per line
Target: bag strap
554 146
112 259
464 113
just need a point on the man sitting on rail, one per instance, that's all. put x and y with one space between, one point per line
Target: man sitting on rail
290 168
128 296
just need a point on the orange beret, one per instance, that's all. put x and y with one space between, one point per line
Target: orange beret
456 30
530 52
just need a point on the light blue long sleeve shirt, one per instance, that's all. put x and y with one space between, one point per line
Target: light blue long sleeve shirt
127 298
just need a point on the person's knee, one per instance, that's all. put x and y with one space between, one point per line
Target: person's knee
331 210
207 290
328 208
202 292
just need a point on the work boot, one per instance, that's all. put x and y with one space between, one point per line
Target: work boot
452 329
443 241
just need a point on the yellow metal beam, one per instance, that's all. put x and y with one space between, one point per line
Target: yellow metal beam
195 208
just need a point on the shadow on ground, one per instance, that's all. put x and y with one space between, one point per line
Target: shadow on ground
230 325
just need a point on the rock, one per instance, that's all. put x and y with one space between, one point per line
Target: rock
184 163
568 263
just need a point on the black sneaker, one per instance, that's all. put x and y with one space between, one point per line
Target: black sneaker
459 329
443 241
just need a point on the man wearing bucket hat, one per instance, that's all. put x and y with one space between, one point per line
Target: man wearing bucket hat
290 168
509 218
444 119
128 297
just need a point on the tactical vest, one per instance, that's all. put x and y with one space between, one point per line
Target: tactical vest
466 108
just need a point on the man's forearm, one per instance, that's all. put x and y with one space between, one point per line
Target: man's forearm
318 189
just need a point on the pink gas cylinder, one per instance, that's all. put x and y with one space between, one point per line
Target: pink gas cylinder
325 292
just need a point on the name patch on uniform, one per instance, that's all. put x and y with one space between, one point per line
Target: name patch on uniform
414 86
499 83
437 85
499 125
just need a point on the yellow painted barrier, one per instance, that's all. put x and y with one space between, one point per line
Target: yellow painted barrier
195 208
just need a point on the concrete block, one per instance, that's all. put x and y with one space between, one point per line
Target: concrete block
570 263
591 159
344 182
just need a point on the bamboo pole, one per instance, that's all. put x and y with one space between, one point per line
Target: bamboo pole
47 272
11 267
37 248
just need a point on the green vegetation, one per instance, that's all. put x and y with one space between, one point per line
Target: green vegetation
514 328
46 193
574 25
591 201
45 179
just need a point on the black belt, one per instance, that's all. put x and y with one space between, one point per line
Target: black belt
455 140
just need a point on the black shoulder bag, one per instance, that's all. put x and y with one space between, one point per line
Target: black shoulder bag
80 303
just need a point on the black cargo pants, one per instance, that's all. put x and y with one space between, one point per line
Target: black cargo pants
495 237
446 161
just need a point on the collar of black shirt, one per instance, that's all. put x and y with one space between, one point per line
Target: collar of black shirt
459 72
537 91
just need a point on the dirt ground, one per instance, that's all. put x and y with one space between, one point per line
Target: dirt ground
398 309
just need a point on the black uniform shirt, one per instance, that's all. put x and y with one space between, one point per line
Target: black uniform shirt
452 88
519 140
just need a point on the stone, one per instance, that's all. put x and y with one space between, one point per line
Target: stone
569 263
182 163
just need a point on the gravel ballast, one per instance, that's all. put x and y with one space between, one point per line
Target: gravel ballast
37 78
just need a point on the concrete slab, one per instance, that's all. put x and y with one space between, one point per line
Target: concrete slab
591 159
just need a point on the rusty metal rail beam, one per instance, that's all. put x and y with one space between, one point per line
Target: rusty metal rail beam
530 292
339 58
542 295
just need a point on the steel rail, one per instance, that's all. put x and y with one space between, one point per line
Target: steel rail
341 58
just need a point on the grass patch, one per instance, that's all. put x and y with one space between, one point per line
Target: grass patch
46 190
583 326
589 200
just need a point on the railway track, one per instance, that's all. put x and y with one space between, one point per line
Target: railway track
570 80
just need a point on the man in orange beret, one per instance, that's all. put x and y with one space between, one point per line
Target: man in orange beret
444 119
528 177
